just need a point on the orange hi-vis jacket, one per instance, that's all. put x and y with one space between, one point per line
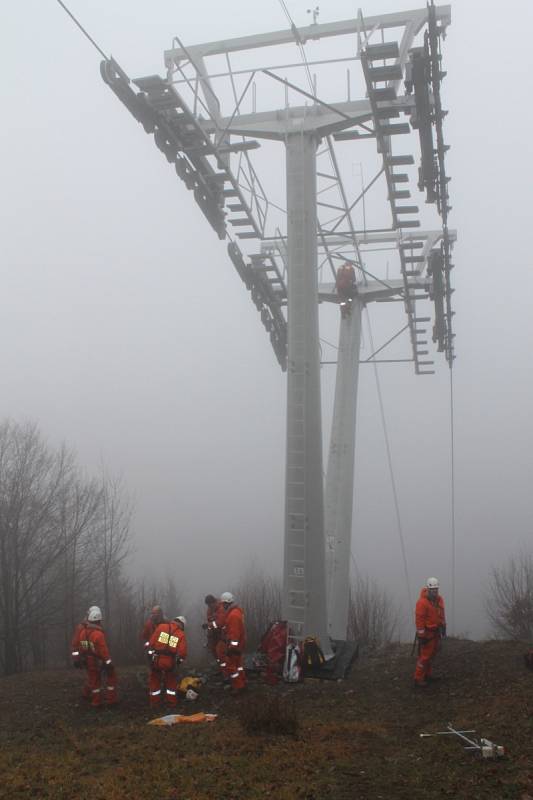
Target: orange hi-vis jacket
234 632
216 616
93 645
429 617
345 277
75 643
147 631
168 642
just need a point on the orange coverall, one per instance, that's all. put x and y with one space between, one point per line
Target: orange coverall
95 653
345 280
147 631
75 643
430 619
220 644
235 642
168 645
215 616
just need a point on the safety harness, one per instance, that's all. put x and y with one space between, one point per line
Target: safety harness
169 641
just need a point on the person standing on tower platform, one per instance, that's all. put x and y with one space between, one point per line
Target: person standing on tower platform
235 641
346 288
430 629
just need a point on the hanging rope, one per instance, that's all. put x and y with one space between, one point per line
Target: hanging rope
391 470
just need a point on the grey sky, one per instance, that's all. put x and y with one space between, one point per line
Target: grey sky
127 333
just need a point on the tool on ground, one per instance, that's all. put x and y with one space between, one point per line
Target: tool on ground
485 747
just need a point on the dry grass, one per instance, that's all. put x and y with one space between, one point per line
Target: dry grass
269 713
357 740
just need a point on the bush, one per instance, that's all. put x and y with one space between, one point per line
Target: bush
259 596
372 616
509 602
269 713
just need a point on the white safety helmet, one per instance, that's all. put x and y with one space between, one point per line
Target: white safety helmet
432 583
182 620
227 597
94 614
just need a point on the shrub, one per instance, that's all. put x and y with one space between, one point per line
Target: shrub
269 713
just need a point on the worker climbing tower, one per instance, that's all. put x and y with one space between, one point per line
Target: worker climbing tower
211 115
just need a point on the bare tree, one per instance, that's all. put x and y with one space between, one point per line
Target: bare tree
31 477
259 596
79 509
112 538
509 601
372 618
62 543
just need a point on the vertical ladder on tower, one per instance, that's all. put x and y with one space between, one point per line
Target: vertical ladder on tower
296 533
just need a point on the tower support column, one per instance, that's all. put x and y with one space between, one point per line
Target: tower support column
340 474
304 575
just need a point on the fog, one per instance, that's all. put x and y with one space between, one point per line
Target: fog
127 333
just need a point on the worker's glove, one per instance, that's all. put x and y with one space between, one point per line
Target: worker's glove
422 640
108 667
77 664
443 631
205 626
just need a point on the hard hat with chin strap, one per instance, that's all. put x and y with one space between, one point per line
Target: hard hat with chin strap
432 583
227 597
181 619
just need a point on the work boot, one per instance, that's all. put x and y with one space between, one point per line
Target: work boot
421 684
432 678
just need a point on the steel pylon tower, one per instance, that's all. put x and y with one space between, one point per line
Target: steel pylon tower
205 119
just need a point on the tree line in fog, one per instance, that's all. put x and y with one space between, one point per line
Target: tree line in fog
64 543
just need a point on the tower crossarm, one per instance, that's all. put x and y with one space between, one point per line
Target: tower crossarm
415 19
278 123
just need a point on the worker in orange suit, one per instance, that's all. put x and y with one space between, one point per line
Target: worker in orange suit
430 629
167 649
235 641
94 655
345 282
215 617
75 652
75 643
220 648
156 616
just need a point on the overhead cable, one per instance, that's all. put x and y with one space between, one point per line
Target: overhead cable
391 470
82 29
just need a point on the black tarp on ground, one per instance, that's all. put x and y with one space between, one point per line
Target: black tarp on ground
338 667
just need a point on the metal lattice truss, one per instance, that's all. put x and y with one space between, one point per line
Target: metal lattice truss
211 112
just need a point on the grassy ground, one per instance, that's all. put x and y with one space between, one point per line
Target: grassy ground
357 739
